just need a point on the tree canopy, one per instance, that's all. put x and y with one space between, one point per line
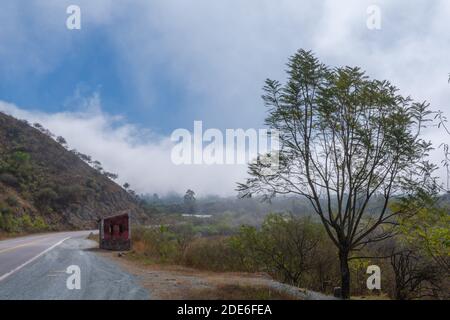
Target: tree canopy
345 140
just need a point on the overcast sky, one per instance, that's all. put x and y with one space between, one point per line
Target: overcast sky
138 70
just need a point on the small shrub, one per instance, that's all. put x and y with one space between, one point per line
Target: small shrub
26 223
212 253
9 179
39 224
45 197
158 243
69 194
12 201
20 158
7 221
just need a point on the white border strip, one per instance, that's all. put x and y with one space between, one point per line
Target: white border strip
6 275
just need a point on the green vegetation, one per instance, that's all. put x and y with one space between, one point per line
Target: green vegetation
428 231
16 169
42 183
22 224
294 250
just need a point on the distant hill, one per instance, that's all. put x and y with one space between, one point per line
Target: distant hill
45 186
445 200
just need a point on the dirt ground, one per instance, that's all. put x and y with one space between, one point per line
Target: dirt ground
177 282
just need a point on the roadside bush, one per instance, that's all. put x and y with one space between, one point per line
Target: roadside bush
291 249
39 224
157 243
184 235
25 223
181 245
212 253
7 222
288 248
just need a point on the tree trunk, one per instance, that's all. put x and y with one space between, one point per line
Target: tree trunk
345 274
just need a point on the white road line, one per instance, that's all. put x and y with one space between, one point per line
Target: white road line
3 277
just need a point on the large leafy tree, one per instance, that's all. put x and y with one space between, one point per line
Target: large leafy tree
349 144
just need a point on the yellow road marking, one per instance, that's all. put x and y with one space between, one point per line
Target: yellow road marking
6 275
22 240
19 246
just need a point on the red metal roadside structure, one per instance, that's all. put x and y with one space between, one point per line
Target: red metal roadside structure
115 232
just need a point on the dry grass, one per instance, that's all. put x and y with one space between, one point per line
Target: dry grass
6 236
166 281
238 292
93 237
371 297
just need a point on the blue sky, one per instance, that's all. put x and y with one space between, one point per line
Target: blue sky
137 70
84 62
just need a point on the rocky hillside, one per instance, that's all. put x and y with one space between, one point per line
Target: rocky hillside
43 186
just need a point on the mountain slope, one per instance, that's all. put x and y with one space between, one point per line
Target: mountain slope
45 186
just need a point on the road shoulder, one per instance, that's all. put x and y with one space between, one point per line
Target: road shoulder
182 283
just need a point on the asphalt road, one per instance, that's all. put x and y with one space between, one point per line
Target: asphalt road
35 267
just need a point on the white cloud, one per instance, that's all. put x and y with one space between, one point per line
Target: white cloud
139 157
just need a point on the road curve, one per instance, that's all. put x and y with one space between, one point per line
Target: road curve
34 267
